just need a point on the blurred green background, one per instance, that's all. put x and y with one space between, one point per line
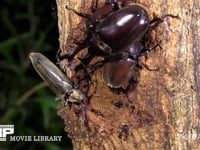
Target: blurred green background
24 100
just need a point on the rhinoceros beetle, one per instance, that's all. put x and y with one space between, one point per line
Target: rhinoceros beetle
117 32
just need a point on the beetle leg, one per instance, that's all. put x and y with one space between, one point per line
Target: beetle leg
94 5
84 110
114 4
144 52
84 66
156 21
84 15
70 55
66 97
89 68
88 57
124 131
123 3
143 65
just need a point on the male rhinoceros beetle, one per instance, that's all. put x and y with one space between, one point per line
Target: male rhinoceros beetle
117 31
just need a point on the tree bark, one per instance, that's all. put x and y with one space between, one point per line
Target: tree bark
162 111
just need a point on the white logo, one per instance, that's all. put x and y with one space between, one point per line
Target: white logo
9 129
5 130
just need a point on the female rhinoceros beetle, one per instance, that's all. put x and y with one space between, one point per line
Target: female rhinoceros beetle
117 32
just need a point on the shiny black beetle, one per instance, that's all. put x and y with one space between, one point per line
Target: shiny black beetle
117 32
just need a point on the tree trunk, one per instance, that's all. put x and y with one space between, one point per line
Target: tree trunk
162 111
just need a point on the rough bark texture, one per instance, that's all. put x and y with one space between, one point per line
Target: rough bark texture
163 111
